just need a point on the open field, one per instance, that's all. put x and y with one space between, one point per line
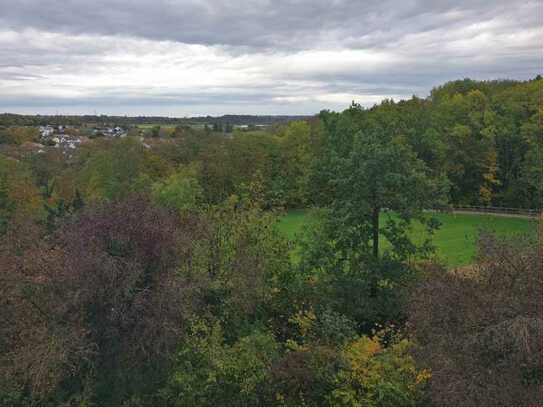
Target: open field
455 240
151 125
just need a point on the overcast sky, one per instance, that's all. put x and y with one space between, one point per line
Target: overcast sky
199 57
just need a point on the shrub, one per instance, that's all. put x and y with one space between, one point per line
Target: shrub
376 375
209 372
97 309
481 331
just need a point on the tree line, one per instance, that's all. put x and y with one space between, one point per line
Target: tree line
10 119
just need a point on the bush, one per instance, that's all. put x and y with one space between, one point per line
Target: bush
180 191
96 310
378 376
209 372
480 331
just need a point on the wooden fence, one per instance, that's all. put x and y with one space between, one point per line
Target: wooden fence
496 210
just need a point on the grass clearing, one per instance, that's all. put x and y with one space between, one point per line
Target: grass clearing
148 126
455 241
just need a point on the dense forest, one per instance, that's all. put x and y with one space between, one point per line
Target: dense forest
150 271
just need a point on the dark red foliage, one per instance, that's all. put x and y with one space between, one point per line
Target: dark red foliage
302 377
480 330
108 292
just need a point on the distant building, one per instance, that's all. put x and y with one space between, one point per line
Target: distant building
46 131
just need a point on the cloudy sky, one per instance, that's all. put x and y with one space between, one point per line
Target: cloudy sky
198 57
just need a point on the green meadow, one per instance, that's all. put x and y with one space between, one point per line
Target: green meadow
151 125
455 241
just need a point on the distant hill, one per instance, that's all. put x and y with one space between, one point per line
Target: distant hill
9 119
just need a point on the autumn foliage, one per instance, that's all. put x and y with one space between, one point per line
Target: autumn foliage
480 331
101 296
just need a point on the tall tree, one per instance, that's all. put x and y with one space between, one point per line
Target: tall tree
380 173
295 162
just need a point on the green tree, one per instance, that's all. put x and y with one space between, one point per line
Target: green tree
19 197
368 173
468 125
295 162
117 168
381 174
180 191
19 135
155 131
210 372
6 205
78 203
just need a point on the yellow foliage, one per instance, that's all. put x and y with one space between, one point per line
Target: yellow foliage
378 375
304 320
21 194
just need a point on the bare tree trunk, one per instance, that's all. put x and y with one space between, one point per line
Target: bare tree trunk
375 221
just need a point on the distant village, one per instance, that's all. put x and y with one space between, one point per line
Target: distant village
69 137
20 135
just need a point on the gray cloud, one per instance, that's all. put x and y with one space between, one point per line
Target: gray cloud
258 56
268 23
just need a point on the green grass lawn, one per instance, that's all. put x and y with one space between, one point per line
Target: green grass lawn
455 240
150 126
